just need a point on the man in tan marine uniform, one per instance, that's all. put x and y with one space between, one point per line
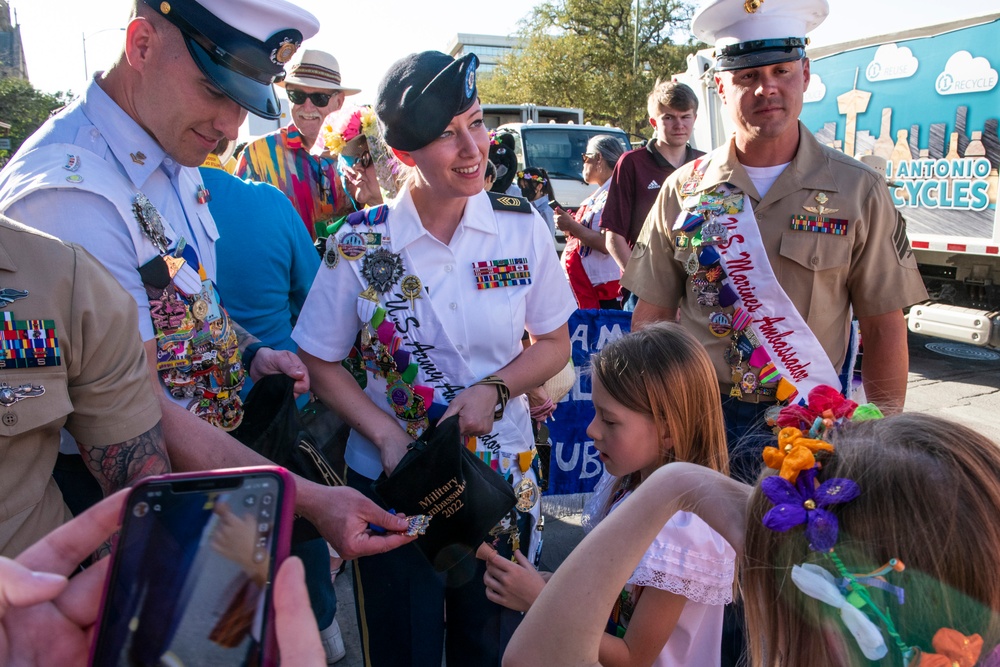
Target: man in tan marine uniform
71 357
829 243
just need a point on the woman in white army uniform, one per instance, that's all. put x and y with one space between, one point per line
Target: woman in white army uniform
441 284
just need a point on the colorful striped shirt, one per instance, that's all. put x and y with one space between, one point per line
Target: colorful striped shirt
309 181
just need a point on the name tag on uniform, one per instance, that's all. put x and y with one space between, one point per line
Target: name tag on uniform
502 273
29 343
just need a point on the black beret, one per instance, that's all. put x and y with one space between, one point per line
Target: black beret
420 95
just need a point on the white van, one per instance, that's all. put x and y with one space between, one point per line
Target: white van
558 149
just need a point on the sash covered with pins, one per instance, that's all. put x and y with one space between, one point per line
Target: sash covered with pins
403 343
772 351
197 353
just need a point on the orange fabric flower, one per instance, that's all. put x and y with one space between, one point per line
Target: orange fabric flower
794 453
953 650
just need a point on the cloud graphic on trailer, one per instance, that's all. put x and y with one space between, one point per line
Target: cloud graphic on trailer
816 90
965 74
891 62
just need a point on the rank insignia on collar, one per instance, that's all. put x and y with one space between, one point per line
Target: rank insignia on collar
382 268
138 157
9 295
150 221
72 162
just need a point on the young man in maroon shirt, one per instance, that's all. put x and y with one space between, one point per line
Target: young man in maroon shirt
639 173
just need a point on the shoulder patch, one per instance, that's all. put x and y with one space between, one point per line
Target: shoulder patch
502 202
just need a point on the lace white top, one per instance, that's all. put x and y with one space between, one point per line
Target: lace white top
687 558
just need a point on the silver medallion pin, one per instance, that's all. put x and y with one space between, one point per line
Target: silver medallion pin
382 268
150 221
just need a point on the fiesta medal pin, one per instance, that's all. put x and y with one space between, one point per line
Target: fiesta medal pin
382 269
150 221
352 246
692 183
719 324
331 258
410 287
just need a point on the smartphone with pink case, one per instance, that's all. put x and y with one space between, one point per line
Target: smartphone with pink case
191 570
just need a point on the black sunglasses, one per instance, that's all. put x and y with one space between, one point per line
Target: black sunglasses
364 161
300 96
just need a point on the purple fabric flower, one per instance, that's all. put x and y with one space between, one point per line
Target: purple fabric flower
806 503
993 659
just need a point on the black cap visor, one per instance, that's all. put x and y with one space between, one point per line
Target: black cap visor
759 53
256 97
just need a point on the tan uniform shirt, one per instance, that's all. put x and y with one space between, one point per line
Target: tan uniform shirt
100 392
870 268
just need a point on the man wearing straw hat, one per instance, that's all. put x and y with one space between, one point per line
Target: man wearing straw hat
289 158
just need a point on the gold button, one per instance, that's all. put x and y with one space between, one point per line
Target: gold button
9 419
165 7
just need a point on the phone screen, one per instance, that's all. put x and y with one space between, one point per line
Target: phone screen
190 577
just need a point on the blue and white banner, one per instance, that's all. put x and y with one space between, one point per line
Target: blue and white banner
575 466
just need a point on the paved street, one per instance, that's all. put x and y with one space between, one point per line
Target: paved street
962 385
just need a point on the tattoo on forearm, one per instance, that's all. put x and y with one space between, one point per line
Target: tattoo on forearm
120 465
244 337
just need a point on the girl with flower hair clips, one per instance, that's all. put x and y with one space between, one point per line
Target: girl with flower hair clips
882 552
654 399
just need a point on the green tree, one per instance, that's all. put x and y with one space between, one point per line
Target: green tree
25 108
588 54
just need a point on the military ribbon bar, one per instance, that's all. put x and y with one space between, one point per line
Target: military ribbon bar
502 273
810 223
